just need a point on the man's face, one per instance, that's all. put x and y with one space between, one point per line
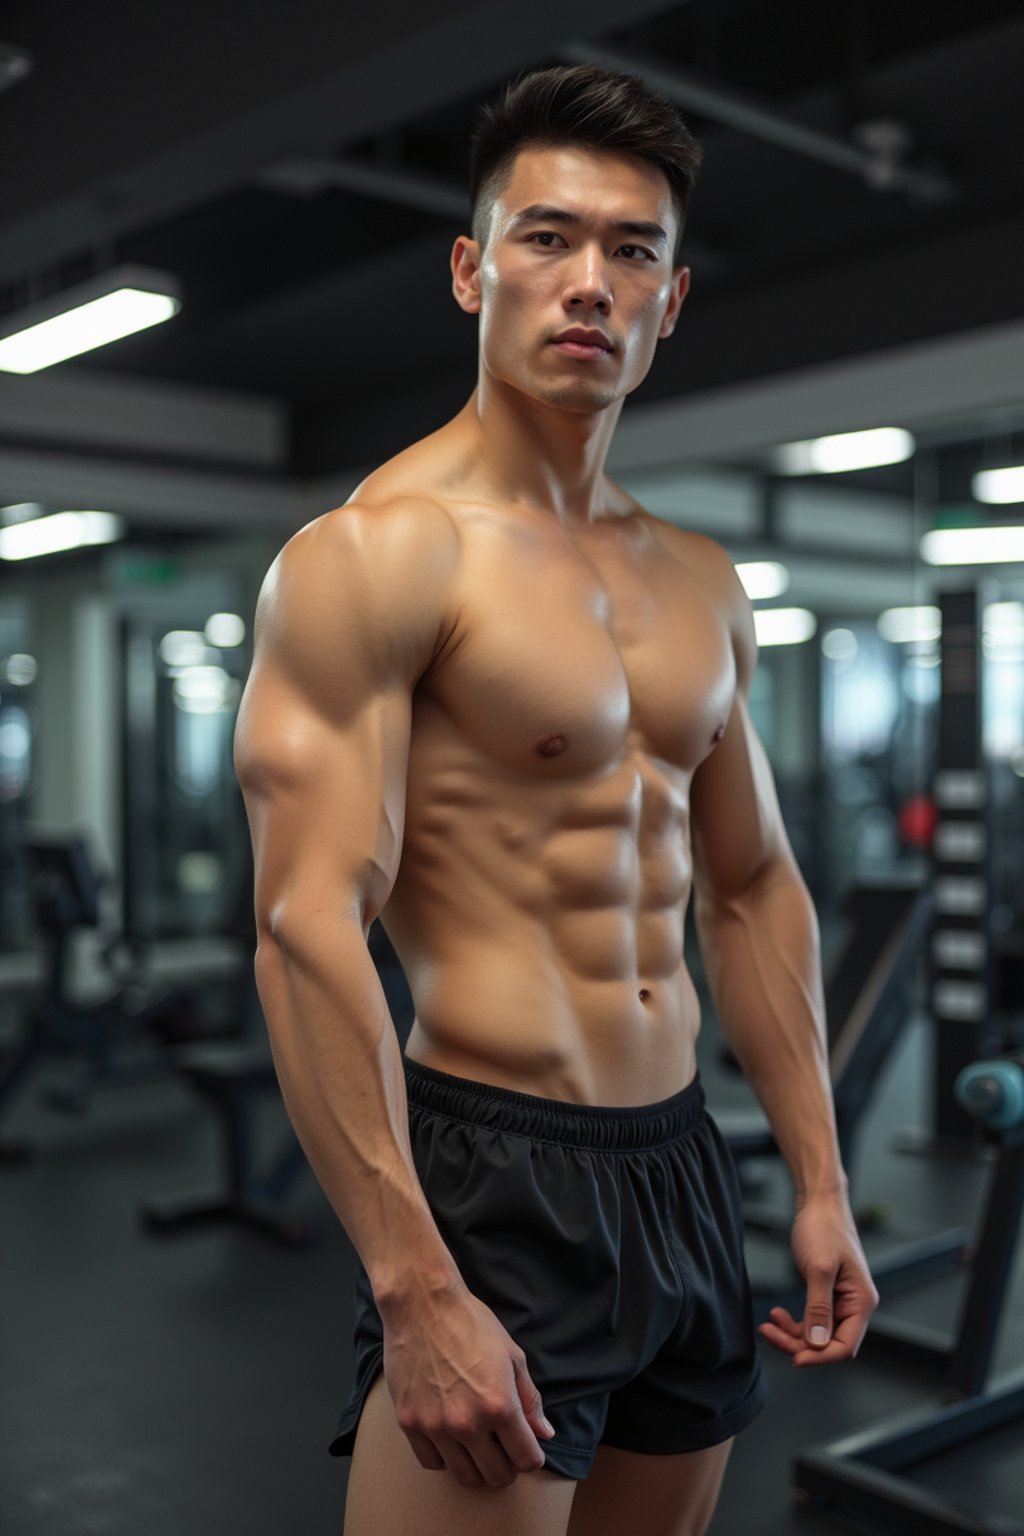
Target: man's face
541 275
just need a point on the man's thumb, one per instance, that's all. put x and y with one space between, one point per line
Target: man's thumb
818 1316
532 1405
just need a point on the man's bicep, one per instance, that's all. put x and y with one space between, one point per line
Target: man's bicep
737 830
322 742
326 803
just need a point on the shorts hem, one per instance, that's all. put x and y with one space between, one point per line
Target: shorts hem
567 1460
698 1437
344 1439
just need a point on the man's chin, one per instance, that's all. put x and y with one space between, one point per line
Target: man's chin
581 399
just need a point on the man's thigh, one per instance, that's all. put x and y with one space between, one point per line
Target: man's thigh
649 1495
391 1494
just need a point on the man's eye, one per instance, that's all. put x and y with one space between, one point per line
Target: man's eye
647 255
543 234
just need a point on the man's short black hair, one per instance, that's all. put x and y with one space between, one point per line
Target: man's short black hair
583 106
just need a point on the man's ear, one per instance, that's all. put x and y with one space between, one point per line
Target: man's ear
465 263
680 288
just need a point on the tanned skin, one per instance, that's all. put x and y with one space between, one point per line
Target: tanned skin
502 707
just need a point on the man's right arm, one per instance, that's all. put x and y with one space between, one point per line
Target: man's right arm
352 613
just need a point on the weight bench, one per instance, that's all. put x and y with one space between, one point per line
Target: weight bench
230 1075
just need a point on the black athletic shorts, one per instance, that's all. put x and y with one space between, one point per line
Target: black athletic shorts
608 1241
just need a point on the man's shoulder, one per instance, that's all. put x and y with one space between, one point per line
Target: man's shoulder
705 556
385 528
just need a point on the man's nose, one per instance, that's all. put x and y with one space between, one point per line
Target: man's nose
590 282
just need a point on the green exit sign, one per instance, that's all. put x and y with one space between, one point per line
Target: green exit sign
140 570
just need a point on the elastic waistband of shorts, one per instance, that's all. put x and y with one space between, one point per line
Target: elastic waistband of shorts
608 1127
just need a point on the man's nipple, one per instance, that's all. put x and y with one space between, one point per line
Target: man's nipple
719 733
551 746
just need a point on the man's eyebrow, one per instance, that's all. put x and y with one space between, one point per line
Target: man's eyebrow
542 213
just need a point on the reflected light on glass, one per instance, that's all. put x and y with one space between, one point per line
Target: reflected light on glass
183 648
973 546
784 626
844 451
1004 621
901 626
14 740
999 487
58 531
225 630
839 645
205 690
20 670
200 872
763 578
1002 633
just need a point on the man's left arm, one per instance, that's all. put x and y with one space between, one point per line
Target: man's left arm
759 938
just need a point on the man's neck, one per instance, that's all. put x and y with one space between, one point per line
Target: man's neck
533 452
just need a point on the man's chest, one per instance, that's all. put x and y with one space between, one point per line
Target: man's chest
572 652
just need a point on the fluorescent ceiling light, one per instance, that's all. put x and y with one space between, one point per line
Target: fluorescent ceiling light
183 648
224 630
58 531
973 546
843 451
902 626
784 626
763 578
104 309
999 486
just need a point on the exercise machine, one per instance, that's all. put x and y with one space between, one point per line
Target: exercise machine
863 1476
65 889
232 1077
868 1000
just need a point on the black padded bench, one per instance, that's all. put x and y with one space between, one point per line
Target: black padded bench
230 1074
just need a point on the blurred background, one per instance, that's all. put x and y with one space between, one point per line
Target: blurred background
225 299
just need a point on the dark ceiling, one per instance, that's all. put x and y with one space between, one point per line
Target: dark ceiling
299 168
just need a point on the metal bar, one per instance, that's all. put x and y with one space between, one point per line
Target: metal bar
899 1442
742 112
889 1503
982 1306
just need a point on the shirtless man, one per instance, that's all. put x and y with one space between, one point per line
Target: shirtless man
498 705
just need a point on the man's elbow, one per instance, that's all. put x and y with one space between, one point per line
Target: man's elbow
722 900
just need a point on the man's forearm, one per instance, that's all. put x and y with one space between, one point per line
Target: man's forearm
762 954
340 1069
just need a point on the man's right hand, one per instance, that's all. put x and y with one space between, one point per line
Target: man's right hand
462 1391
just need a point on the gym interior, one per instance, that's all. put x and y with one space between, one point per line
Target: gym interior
842 407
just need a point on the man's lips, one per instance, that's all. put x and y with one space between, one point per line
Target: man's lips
584 338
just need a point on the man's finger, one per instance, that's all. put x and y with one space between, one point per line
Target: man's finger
818 1312
781 1340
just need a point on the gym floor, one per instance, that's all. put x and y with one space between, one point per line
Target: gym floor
191 1383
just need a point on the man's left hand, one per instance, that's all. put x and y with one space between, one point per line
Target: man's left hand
841 1295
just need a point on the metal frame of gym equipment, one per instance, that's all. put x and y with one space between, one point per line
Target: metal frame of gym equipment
867 1003
230 1075
65 890
859 1476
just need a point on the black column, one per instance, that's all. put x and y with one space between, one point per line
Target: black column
960 972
